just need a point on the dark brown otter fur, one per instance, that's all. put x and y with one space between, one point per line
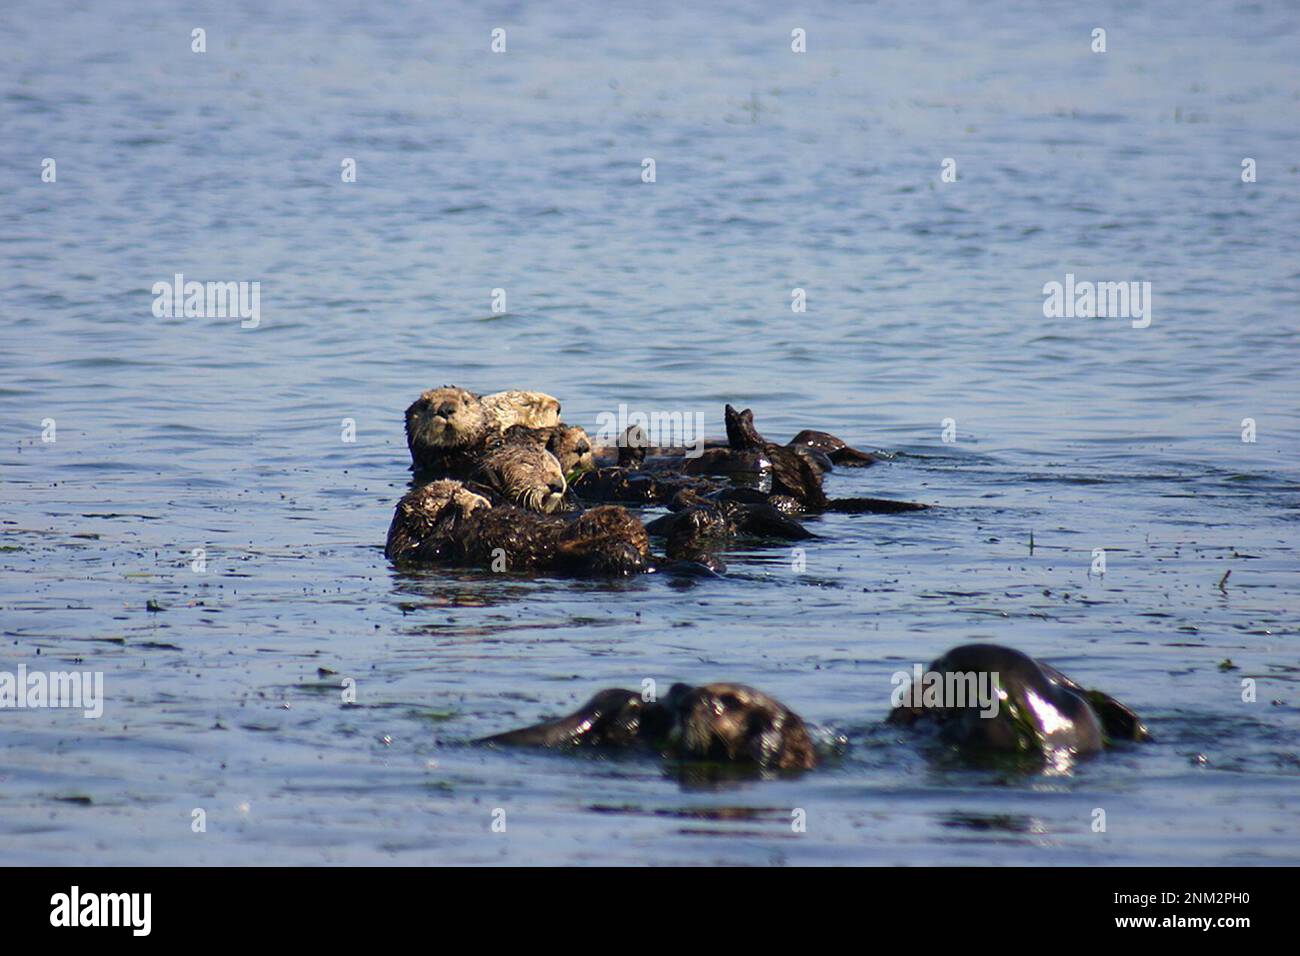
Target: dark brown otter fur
444 522
722 723
836 449
795 471
424 524
629 482
697 524
633 486
1040 710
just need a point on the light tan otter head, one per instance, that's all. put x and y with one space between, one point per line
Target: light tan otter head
445 419
514 407
733 722
525 474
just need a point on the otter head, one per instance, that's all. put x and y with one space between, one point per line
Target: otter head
741 434
632 445
444 419
732 722
515 407
1012 703
525 475
572 448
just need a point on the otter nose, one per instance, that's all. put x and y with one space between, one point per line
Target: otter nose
446 409
583 448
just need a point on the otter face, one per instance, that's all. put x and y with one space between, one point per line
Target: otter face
572 448
526 475
445 418
515 407
733 722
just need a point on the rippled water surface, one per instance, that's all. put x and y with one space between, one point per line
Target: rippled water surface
522 171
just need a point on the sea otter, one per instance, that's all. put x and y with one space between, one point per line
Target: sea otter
515 407
568 443
447 428
836 449
797 471
720 723
628 481
522 474
423 525
1038 710
445 522
698 524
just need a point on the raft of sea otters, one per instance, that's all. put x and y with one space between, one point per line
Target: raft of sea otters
502 483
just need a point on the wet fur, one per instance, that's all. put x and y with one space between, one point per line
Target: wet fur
722 723
448 427
1082 722
523 474
444 522
570 444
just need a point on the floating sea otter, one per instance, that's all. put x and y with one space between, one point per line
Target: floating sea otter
448 428
725 723
521 474
445 522
797 469
1040 711
698 525
570 445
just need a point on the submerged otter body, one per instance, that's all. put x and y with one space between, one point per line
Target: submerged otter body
1039 710
722 723
444 522
634 486
796 470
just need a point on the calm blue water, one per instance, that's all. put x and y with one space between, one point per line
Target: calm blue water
522 171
